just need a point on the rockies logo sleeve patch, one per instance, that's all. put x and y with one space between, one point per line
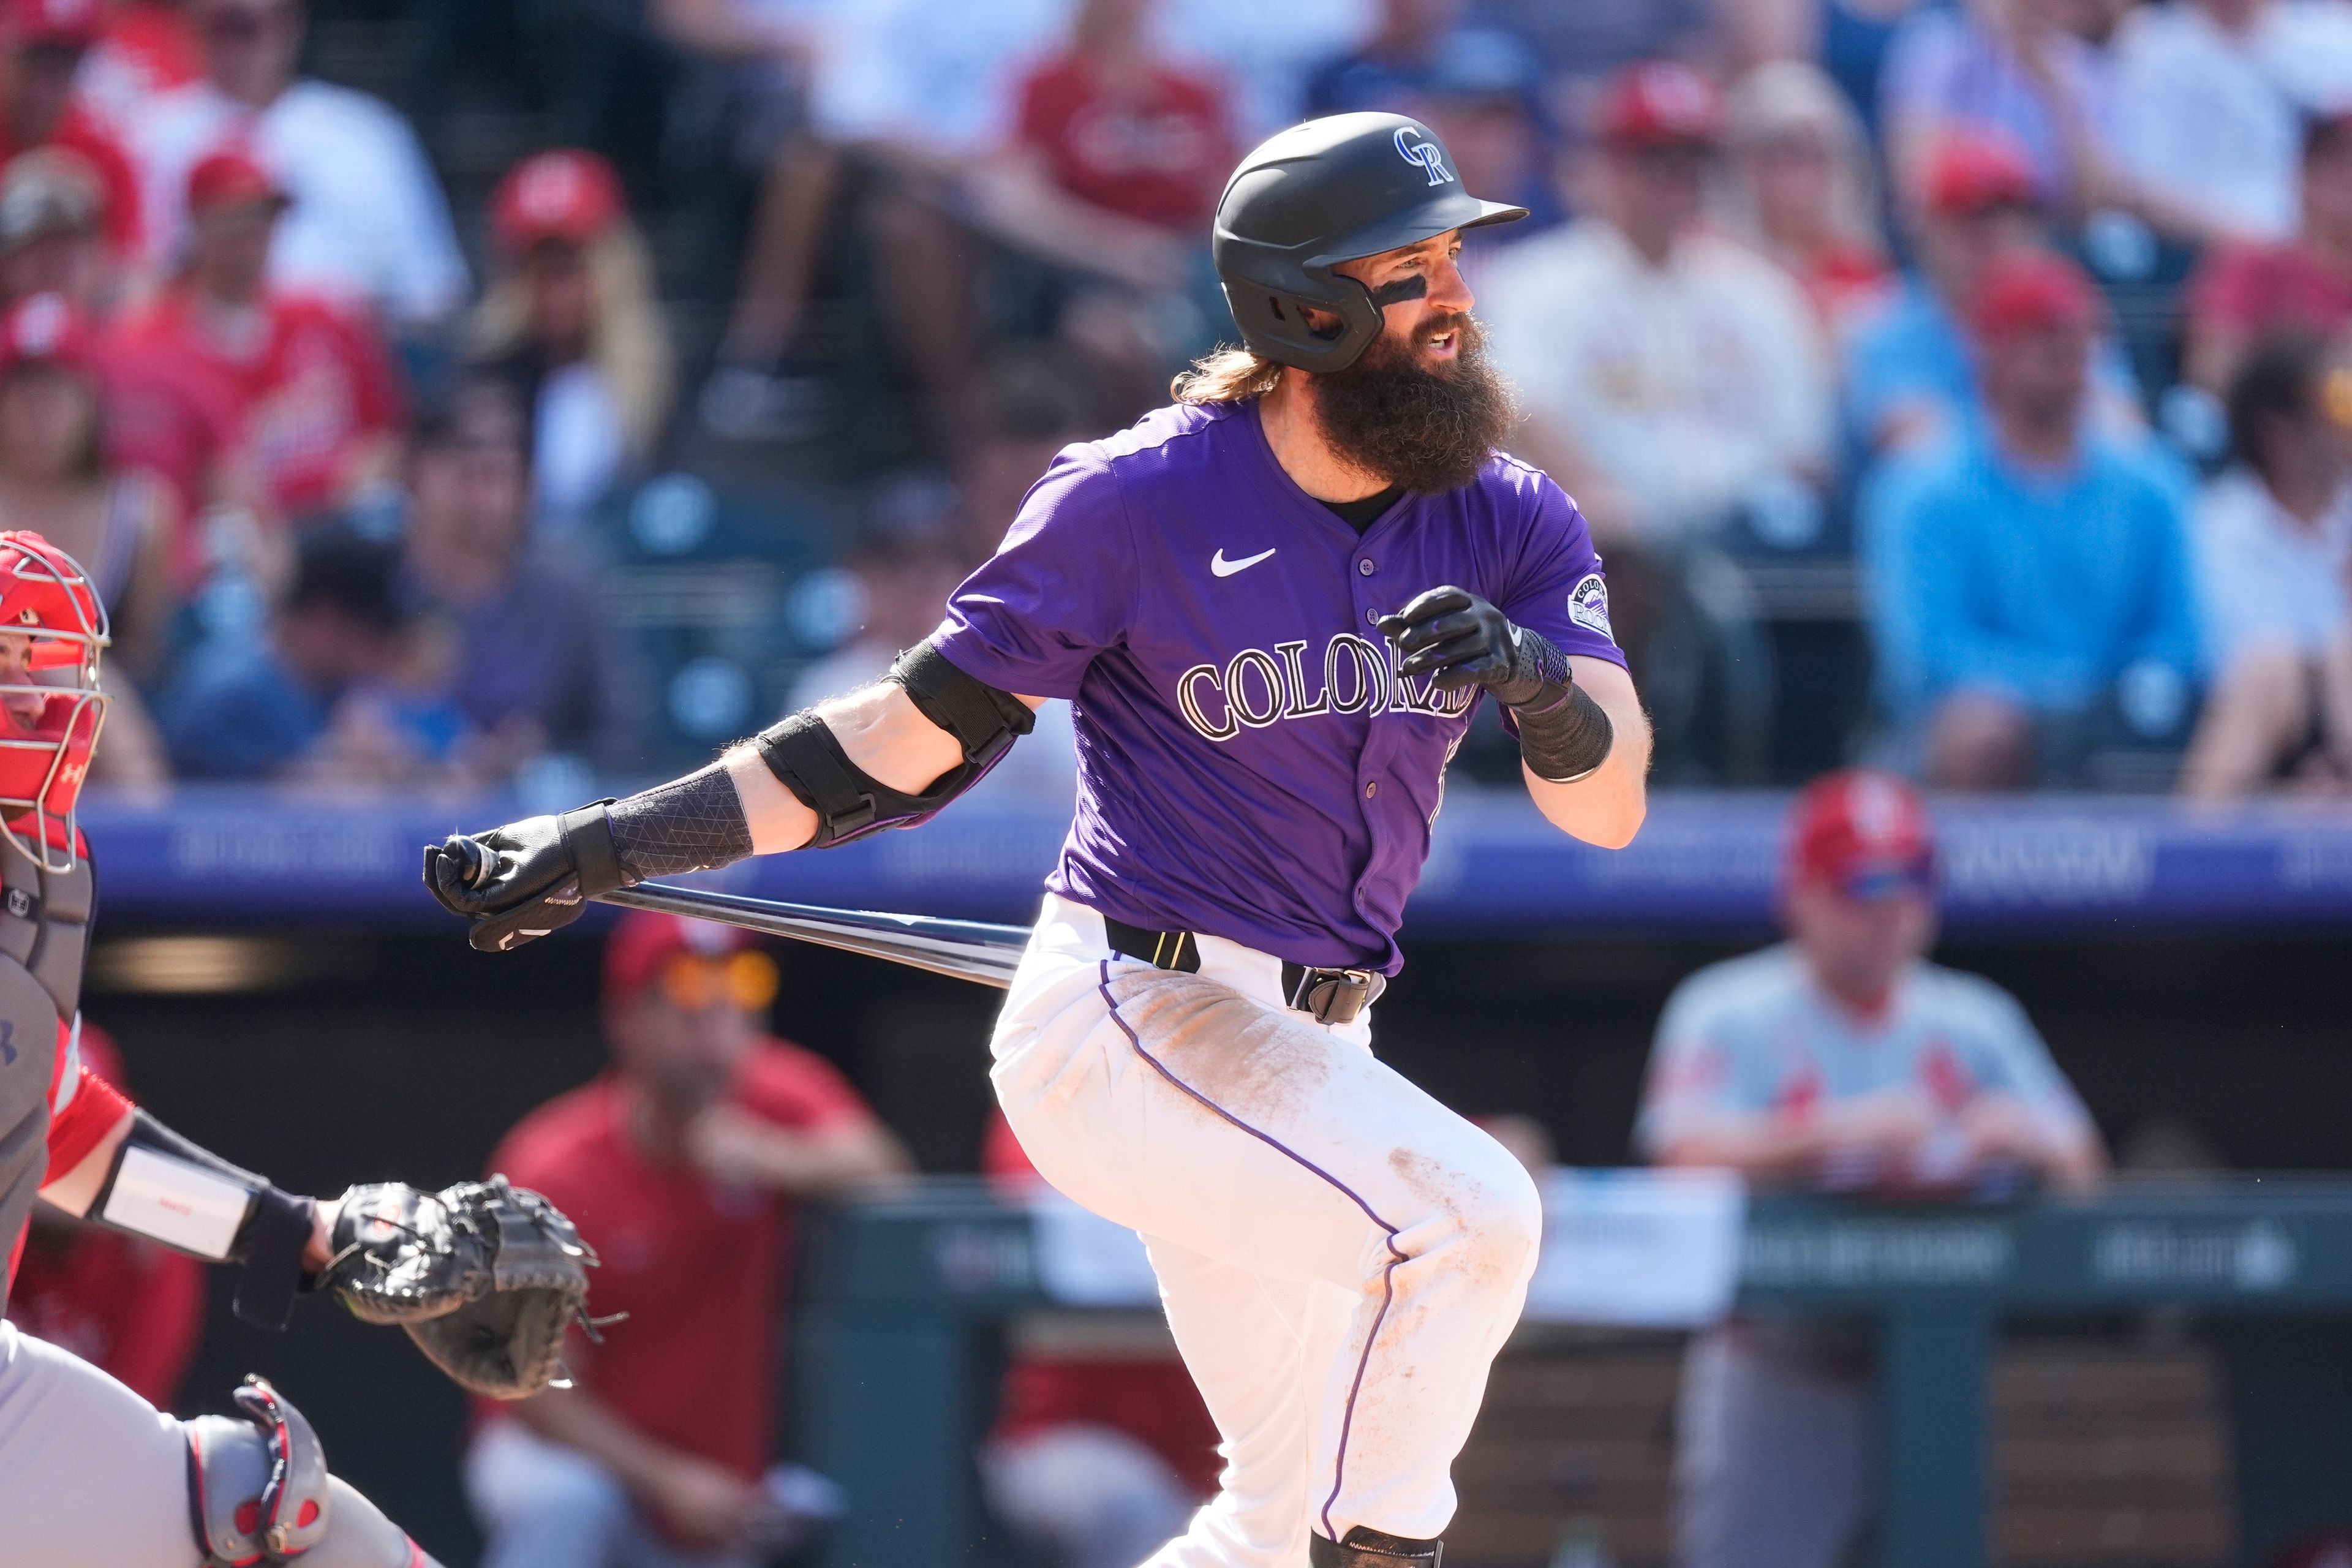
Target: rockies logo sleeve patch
1588 604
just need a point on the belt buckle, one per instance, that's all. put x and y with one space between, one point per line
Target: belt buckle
1336 995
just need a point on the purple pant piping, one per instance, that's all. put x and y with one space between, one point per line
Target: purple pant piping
1388 1273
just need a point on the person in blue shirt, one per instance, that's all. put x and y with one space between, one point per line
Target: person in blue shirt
2027 581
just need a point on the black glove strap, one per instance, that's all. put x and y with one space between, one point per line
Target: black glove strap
588 835
269 1244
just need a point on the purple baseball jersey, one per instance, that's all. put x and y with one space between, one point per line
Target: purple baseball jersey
1250 765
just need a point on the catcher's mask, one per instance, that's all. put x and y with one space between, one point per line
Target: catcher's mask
1331 190
52 631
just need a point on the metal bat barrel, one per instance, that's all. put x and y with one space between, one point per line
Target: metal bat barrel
962 950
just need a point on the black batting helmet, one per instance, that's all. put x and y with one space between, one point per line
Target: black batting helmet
1328 191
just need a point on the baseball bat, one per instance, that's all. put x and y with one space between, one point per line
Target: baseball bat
963 950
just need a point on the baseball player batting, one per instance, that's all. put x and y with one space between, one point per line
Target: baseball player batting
1272 605
92 1475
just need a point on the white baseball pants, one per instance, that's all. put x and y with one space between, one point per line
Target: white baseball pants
1340 1257
92 1475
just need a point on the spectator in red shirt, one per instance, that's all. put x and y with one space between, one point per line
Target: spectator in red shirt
2245 292
129 1308
1102 1447
1112 174
684 1166
55 479
1118 130
317 403
42 43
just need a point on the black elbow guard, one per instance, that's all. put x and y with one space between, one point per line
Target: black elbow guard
849 801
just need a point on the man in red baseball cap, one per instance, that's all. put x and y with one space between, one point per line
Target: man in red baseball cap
1839 1058
317 404
684 1166
2029 587
2245 292
41 46
1667 373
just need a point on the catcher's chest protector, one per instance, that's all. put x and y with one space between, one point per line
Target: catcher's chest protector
44 936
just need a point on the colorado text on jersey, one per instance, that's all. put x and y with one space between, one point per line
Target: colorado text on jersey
1256 688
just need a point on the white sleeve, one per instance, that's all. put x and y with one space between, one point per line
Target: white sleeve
2027 1068
427 278
1796 418
166 136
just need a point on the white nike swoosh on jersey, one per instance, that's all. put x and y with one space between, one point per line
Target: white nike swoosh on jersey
1225 568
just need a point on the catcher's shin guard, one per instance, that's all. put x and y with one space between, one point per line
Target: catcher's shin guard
258 1492
1362 1548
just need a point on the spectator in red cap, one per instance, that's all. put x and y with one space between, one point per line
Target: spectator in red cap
317 406
2244 292
45 41
2027 583
129 1307
1668 374
1910 367
56 479
1839 1059
572 318
684 1165
368 225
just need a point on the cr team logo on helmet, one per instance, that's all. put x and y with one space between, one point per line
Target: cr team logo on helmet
1332 190
1428 154
52 631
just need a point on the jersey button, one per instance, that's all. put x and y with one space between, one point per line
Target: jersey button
1372 617
1365 566
1371 789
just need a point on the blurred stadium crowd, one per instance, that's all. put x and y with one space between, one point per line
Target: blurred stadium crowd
452 396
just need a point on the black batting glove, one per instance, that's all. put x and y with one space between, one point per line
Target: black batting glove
1460 639
518 883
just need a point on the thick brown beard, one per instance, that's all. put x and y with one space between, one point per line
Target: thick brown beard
1426 430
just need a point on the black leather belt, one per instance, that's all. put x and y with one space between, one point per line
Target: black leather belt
1327 995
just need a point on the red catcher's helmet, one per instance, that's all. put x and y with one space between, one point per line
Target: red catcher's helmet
52 630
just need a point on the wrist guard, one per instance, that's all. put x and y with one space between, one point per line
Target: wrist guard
167 1189
1563 733
850 802
693 824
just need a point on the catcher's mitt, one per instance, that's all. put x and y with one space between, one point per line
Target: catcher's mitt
485 1278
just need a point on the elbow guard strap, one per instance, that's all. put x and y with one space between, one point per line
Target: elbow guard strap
167 1189
849 801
